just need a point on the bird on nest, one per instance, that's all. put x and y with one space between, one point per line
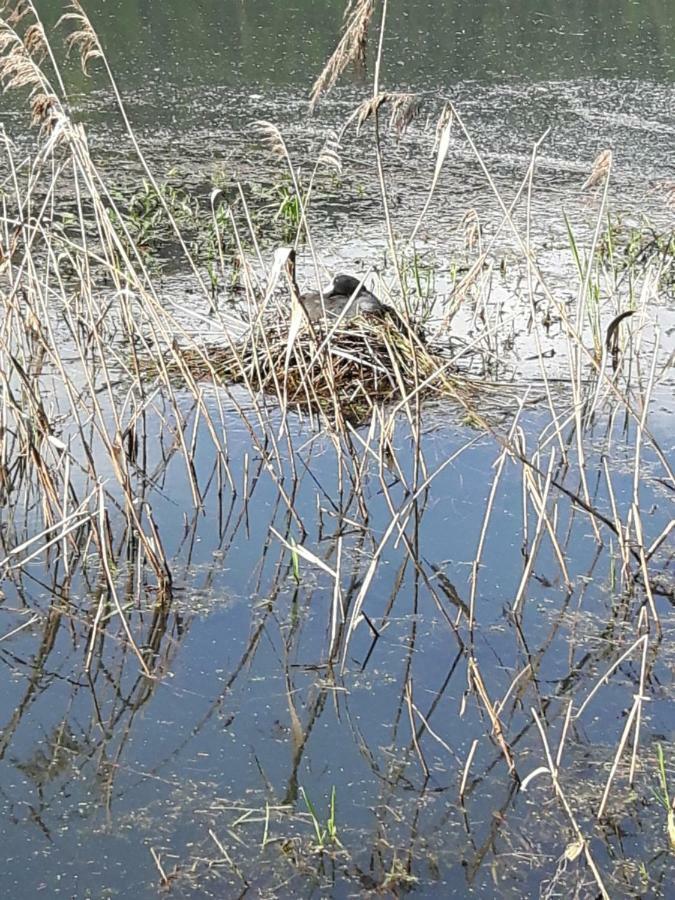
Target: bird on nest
345 298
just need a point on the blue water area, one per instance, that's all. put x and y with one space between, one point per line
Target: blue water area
245 709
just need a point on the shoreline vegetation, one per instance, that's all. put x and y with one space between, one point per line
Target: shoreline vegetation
108 390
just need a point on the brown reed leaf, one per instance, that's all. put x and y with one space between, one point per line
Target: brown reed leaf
20 10
35 41
368 108
602 165
45 111
405 107
351 47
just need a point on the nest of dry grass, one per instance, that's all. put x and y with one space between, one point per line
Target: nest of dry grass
345 369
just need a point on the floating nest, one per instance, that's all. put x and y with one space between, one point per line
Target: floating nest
339 371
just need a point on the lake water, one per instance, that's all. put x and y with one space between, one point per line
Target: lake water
205 774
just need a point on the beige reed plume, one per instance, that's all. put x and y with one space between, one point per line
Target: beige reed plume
84 39
602 165
20 58
350 49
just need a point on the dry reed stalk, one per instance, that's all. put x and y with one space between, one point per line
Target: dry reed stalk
477 684
538 498
27 624
572 333
581 841
442 145
642 626
638 643
408 691
470 278
338 607
228 859
412 550
400 514
404 109
636 506
380 170
166 882
563 734
86 41
527 670
531 299
576 349
24 74
68 525
467 767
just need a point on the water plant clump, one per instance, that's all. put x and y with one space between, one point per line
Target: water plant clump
630 248
145 218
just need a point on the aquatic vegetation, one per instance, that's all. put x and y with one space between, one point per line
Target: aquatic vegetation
289 210
148 217
325 835
664 797
630 249
147 213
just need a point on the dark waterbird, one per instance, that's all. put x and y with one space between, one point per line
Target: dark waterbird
345 298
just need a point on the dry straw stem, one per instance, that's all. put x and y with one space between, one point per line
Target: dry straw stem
467 768
478 685
351 47
581 841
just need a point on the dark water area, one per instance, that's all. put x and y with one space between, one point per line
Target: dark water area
199 780
194 79
433 45
219 62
